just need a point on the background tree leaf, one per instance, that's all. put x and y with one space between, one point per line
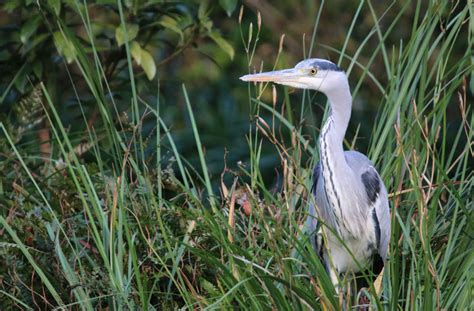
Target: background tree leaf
172 24
222 43
148 64
29 28
11 5
136 52
132 32
228 5
56 5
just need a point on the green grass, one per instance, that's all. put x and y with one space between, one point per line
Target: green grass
118 232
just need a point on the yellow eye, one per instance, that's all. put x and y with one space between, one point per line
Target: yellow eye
313 71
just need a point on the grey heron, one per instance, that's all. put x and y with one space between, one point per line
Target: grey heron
349 196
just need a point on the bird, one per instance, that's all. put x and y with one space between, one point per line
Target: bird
349 197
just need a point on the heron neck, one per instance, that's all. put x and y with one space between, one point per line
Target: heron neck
340 101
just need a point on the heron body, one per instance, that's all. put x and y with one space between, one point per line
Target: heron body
348 195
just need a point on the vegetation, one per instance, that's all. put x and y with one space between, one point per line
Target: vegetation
138 173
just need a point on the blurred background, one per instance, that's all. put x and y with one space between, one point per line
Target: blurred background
201 44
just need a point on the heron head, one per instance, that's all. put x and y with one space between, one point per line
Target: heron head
313 73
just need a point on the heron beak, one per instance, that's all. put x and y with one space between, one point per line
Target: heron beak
279 76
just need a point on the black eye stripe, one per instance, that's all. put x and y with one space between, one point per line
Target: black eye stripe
326 66
318 64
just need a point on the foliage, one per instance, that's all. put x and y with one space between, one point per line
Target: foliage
105 206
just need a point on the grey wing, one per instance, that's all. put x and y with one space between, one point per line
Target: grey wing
312 222
378 200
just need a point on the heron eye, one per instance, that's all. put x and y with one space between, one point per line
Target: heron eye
313 71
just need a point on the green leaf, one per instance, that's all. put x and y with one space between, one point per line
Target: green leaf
29 28
203 9
20 80
222 43
132 32
65 47
172 24
136 51
209 287
228 6
11 5
38 69
148 64
56 5
33 43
